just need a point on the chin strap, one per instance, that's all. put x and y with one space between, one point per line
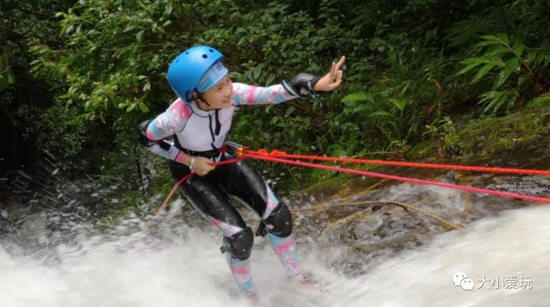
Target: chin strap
303 82
199 96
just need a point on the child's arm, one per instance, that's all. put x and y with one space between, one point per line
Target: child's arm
249 94
300 86
153 132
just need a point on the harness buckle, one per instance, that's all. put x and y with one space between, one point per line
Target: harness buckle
235 149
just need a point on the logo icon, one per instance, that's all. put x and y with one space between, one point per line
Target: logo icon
467 284
462 280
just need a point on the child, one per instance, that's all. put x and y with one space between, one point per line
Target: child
200 119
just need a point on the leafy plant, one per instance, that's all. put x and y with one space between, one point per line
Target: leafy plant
506 59
444 130
7 78
539 102
109 67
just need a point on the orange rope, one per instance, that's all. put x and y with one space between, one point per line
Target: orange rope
182 180
282 154
399 178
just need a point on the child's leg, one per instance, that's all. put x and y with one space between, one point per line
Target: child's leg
282 241
243 182
212 203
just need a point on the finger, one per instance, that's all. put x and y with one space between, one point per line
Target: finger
338 76
337 81
333 71
340 63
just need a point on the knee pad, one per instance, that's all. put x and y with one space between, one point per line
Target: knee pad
240 244
278 223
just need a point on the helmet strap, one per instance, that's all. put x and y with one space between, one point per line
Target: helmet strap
199 96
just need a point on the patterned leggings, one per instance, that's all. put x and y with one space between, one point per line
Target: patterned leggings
209 195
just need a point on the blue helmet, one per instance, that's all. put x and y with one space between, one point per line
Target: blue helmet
187 69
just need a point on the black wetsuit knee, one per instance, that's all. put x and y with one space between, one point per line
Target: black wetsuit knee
240 244
278 223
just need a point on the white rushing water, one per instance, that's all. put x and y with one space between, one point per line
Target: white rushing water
182 266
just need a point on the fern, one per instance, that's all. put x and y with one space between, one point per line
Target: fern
498 100
467 31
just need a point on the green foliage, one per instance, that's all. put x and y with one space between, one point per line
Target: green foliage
107 65
511 60
62 136
496 100
368 117
7 78
539 102
411 65
504 60
442 129
490 134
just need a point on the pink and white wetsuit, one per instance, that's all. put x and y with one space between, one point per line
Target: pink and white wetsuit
199 132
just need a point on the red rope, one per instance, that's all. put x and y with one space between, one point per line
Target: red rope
182 180
399 178
275 155
282 154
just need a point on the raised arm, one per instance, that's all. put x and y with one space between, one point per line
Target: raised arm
300 86
249 94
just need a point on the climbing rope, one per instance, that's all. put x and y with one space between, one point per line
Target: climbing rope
275 156
182 180
282 154
399 178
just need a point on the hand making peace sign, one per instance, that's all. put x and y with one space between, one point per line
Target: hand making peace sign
331 80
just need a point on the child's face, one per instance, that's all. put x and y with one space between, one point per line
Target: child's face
219 96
